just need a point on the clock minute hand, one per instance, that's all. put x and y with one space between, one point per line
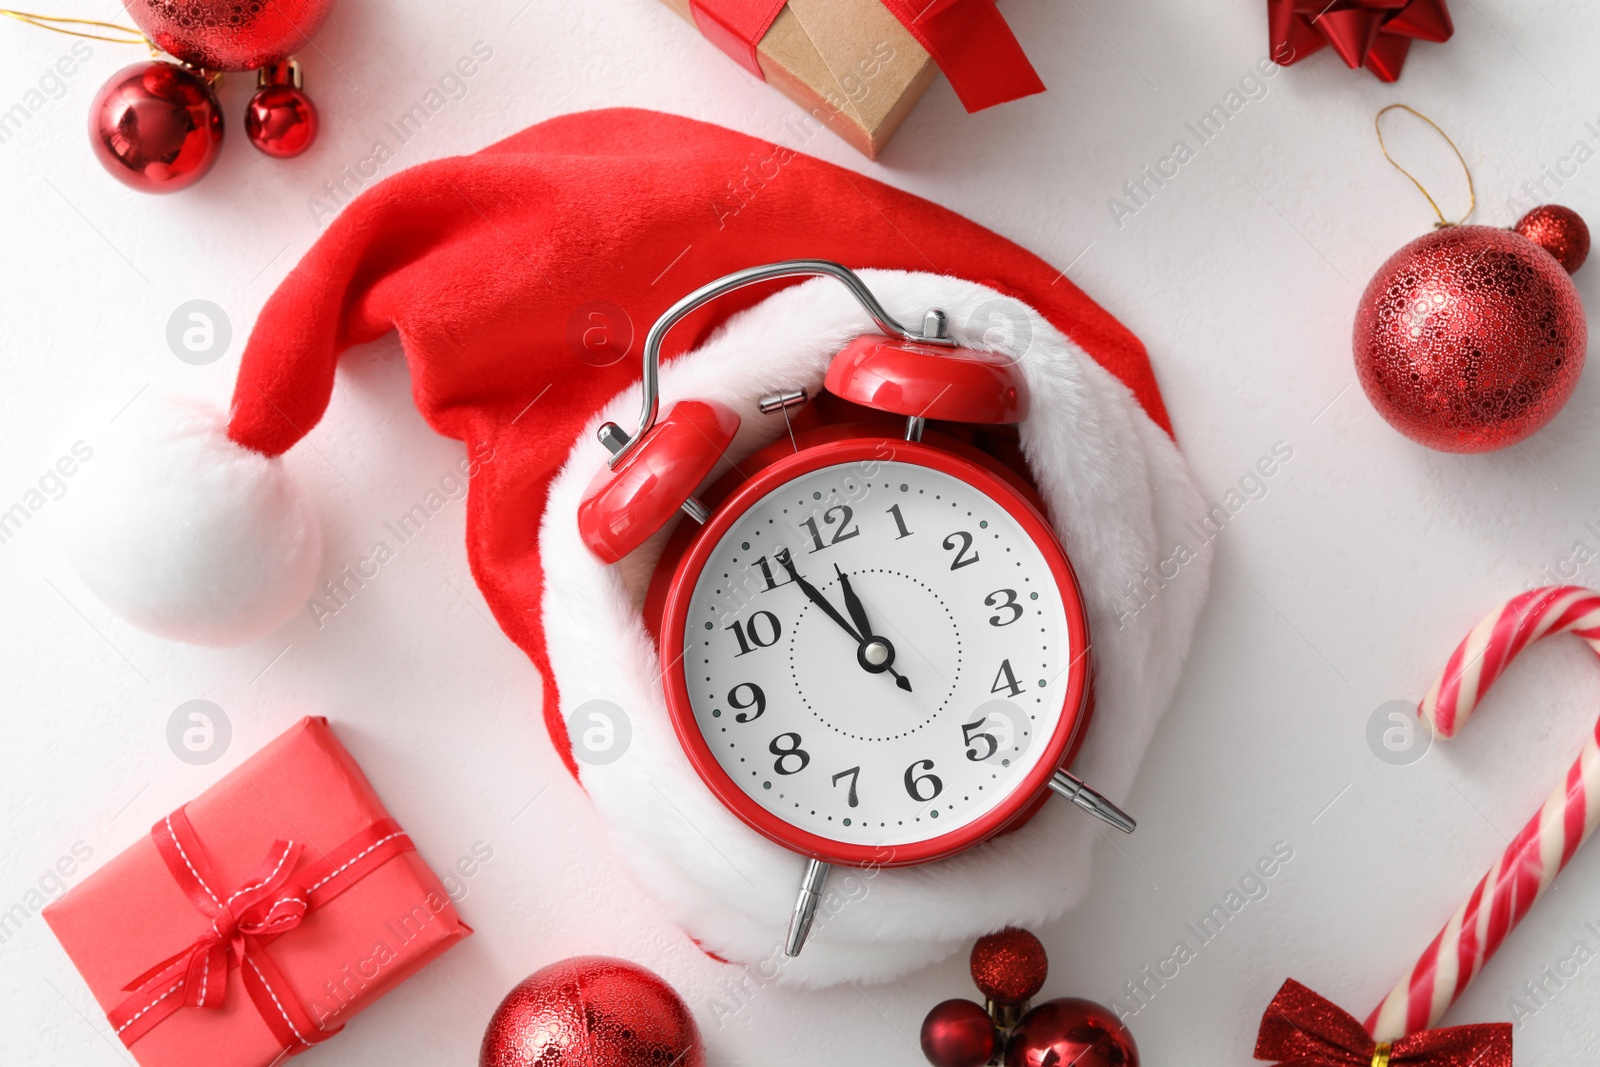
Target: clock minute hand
873 653
814 595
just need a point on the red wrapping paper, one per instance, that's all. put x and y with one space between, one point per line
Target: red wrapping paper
131 914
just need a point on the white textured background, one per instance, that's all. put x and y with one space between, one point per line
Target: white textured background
1345 587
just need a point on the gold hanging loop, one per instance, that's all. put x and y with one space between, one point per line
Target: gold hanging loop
1472 192
62 24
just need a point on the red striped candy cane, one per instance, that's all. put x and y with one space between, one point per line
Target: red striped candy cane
1539 851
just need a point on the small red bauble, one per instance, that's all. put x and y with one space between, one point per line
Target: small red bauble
1071 1031
1558 230
1010 966
592 1011
229 34
280 120
156 127
958 1033
1470 339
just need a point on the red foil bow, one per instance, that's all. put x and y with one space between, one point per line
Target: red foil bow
1302 1029
969 39
1375 34
270 903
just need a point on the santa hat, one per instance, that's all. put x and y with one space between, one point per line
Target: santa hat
492 268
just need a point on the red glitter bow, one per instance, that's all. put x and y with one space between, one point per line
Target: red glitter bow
271 902
969 39
1376 34
1302 1029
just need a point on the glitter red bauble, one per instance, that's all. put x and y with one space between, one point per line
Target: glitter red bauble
1558 230
592 1011
1470 339
156 127
280 121
1010 966
958 1033
1071 1031
229 34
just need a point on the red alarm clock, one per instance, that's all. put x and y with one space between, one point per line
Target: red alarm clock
873 646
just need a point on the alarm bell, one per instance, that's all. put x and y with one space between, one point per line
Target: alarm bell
628 502
654 472
921 382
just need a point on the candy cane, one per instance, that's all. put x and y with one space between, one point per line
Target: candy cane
1539 851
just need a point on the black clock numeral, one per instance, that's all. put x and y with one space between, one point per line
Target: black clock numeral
899 521
969 734
792 751
963 559
766 572
1010 604
758 700
915 781
750 637
1006 680
843 533
853 774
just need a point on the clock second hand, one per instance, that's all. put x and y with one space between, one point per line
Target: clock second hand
866 643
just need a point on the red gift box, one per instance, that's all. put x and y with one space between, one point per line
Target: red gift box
255 919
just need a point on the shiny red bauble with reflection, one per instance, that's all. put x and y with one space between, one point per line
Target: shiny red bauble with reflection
229 34
1071 1031
156 127
958 1033
592 1011
1470 339
280 121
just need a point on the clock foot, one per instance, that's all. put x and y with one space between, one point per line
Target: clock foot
805 906
1092 803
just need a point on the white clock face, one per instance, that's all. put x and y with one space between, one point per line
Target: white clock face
902 716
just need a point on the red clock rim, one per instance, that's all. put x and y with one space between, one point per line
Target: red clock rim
680 708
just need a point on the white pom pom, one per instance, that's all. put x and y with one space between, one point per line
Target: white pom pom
183 532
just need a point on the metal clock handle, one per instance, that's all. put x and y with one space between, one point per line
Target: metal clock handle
620 442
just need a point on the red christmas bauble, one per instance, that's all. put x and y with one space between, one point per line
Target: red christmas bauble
1558 230
156 127
1470 339
958 1033
1071 1031
280 121
229 34
592 1011
1010 966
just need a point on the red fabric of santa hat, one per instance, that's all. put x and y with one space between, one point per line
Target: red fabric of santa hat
485 265
492 268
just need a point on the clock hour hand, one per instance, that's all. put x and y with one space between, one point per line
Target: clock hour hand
858 612
876 653
873 653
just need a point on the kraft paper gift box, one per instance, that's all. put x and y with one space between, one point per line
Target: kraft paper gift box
849 63
260 916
